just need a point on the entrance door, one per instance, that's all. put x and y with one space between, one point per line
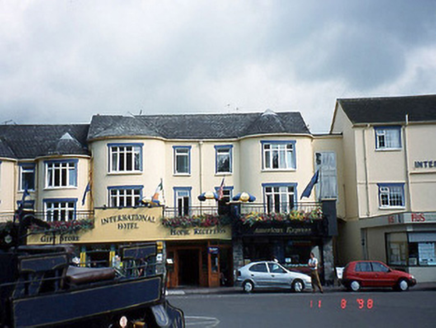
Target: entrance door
189 271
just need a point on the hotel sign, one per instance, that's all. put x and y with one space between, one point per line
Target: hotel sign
114 225
429 164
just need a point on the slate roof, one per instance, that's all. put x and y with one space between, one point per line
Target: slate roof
390 109
198 126
31 141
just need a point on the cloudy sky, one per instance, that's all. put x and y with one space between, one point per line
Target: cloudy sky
62 61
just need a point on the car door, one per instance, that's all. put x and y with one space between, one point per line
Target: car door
259 274
383 276
279 277
364 274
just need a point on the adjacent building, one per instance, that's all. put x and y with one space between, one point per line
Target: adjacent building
389 171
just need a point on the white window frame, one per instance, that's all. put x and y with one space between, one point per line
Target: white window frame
278 155
61 174
27 169
388 137
125 157
61 209
182 201
124 196
279 197
391 195
183 153
223 153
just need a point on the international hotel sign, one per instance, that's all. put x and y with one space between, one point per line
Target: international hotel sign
114 225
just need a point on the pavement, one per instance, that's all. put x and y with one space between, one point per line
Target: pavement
429 286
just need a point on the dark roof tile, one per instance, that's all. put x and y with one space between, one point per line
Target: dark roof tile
390 109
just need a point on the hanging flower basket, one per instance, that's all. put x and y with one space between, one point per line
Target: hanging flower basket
295 215
65 227
201 221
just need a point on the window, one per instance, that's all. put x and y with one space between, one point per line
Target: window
61 173
260 267
363 267
278 155
223 159
182 160
280 198
328 182
125 157
60 209
379 267
127 196
27 176
182 201
275 268
422 248
391 195
388 137
397 248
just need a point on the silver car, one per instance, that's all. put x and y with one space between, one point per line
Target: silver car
257 275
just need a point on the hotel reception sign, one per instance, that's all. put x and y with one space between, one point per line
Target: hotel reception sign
114 225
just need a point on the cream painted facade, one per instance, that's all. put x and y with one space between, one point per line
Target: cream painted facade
11 194
403 231
158 163
7 180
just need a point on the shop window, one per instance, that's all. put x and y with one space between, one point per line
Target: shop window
128 196
278 155
61 173
397 248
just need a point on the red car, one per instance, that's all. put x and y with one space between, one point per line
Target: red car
360 274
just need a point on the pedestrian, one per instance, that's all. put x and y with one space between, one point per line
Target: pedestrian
313 264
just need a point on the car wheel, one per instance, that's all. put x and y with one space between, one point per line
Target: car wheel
403 285
355 286
297 286
248 286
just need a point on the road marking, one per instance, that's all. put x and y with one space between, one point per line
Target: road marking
204 322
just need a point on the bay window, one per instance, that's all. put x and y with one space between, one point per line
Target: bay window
125 157
61 173
278 155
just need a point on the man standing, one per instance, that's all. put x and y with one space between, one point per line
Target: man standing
313 264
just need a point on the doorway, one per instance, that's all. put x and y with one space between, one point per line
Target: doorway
188 267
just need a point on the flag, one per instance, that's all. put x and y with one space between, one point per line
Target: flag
308 190
87 189
158 191
221 190
25 194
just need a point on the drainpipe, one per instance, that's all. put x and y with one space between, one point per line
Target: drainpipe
200 169
406 160
365 163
